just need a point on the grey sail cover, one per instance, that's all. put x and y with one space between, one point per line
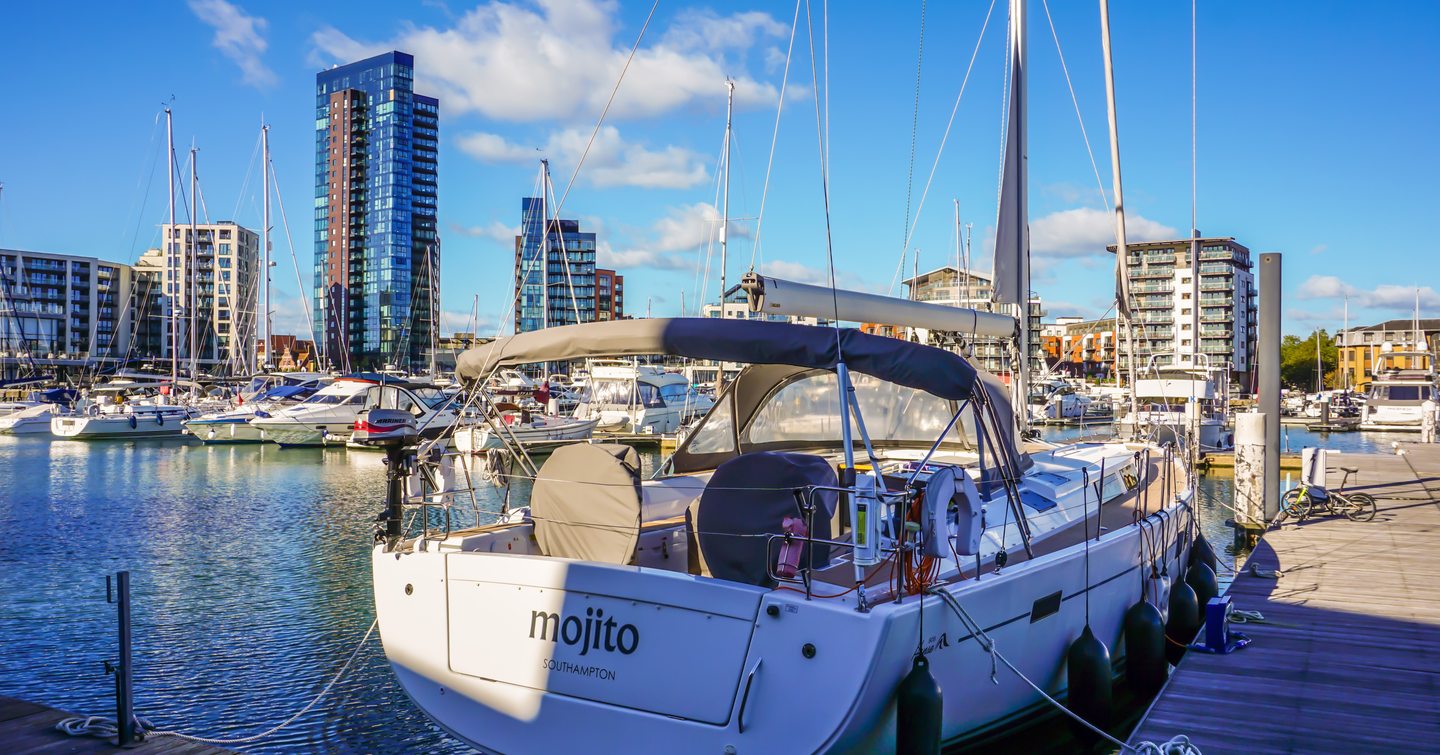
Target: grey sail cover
586 503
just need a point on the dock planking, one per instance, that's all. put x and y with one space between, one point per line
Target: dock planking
27 727
1348 658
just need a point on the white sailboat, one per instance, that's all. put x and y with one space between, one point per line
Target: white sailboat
124 408
853 507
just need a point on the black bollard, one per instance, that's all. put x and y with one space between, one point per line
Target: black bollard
1090 676
1145 666
918 711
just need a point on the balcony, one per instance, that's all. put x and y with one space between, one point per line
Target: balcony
1152 272
1215 285
1147 288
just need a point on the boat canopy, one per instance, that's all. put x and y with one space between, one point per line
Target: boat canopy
935 371
286 391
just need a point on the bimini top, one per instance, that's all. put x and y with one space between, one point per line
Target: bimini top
913 365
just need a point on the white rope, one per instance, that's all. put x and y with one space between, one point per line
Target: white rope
1179 745
290 720
98 726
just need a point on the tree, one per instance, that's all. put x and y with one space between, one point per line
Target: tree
1297 361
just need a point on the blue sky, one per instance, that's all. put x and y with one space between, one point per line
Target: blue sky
1317 135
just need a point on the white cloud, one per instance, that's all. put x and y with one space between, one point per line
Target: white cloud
611 161
560 60
1384 296
704 30
674 240
627 260
816 276
239 37
495 230
1085 231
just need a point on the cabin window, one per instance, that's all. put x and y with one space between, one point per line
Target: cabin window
717 433
808 410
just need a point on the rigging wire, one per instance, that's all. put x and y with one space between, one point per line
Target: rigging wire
944 139
775 138
824 188
601 121
1104 197
914 128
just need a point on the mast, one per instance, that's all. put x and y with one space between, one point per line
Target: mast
545 244
725 204
432 306
191 252
1344 334
1122 256
725 218
1194 199
265 336
170 258
1012 227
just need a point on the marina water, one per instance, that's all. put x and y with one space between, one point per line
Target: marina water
251 582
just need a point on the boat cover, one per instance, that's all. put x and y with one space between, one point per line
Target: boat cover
936 371
586 503
750 496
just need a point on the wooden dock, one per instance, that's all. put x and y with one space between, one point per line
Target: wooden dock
30 728
1347 659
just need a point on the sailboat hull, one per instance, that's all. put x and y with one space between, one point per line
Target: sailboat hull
777 673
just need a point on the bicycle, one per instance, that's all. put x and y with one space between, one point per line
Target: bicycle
1303 500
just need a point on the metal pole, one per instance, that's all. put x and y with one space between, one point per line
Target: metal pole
1269 366
170 258
124 688
192 252
1122 255
265 337
725 221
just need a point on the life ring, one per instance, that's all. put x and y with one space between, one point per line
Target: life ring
132 422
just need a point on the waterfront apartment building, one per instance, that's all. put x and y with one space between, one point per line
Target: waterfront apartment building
953 287
63 310
1079 347
609 295
555 276
377 250
1363 351
1164 301
214 275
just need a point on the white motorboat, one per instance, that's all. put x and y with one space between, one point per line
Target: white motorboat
232 424
523 428
637 398
531 634
27 418
328 417
1397 395
1176 401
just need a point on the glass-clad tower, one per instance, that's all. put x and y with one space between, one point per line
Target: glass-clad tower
377 254
561 289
